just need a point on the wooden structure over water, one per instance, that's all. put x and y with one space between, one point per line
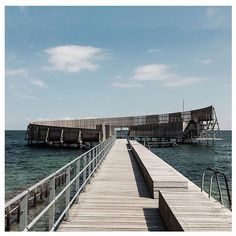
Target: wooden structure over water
136 190
117 199
120 185
181 126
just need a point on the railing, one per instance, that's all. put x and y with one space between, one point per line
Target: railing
84 166
216 174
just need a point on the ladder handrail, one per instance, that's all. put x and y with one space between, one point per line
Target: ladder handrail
216 174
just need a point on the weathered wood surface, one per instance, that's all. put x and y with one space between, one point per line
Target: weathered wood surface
182 205
193 211
117 199
158 174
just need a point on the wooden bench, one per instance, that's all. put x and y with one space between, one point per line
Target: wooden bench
158 174
193 211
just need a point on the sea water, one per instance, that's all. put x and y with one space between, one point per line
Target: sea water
26 165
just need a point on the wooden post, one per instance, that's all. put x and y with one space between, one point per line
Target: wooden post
18 213
103 132
37 135
35 197
80 140
47 134
61 139
100 136
41 193
7 224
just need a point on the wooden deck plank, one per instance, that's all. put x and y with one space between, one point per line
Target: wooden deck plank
185 209
117 199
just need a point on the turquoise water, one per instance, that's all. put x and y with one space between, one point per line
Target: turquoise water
25 165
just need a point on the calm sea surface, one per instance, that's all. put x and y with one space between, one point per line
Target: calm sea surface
192 160
26 165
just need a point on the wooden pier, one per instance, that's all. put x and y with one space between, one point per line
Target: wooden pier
136 190
121 185
117 198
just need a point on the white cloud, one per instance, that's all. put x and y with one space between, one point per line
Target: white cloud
22 85
215 18
125 85
74 58
22 92
206 61
152 50
16 72
155 72
178 82
38 83
152 72
11 57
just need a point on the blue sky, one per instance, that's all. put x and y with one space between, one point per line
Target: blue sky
77 62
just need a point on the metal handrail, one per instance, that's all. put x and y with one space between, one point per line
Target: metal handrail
216 174
91 161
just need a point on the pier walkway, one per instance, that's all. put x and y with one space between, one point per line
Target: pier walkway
118 185
116 199
136 190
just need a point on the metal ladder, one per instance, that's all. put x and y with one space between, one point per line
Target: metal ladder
215 173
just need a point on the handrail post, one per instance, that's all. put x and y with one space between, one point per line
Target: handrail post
101 153
203 180
87 162
93 155
89 167
77 182
90 159
84 172
98 154
210 187
51 212
24 212
67 191
228 193
227 189
219 188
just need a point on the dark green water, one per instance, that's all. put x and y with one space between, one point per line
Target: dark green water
192 160
26 165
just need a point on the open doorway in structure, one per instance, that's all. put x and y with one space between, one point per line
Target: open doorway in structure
122 132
